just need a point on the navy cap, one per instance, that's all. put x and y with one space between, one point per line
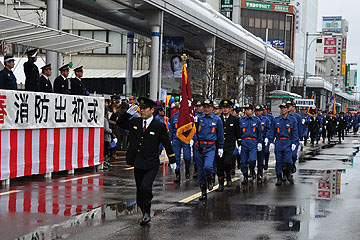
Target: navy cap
146 102
31 52
216 106
249 106
284 105
65 67
79 69
226 103
46 67
207 102
9 58
198 103
259 108
292 103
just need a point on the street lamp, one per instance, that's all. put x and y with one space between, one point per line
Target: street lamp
317 35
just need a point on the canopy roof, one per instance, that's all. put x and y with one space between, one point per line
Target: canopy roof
15 31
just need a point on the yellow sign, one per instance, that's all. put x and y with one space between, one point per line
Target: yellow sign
343 69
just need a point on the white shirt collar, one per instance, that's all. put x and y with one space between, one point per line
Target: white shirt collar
148 121
78 78
63 77
47 78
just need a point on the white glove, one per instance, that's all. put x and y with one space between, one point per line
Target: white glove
271 147
303 121
195 119
239 149
191 143
173 166
34 55
259 147
132 110
115 140
266 141
220 152
293 147
301 143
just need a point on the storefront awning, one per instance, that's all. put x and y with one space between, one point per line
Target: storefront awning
15 31
112 73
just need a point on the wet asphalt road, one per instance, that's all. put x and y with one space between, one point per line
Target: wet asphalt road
101 205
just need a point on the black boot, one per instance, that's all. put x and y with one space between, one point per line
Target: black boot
259 177
187 173
293 169
210 183
146 217
213 178
289 177
252 174
221 184
278 179
228 180
245 181
177 179
266 164
203 192
195 172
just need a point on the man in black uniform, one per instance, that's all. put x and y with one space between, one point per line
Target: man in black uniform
61 83
31 72
330 126
146 134
77 87
341 126
44 81
7 77
232 134
314 126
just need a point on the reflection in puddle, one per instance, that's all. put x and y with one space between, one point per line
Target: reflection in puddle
329 184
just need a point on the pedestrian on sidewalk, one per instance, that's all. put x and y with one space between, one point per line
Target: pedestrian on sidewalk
107 138
145 135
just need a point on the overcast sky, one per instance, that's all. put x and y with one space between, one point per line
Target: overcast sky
350 10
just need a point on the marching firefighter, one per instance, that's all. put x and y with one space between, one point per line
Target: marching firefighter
285 131
305 121
331 126
251 142
314 126
265 132
209 135
271 118
298 118
178 145
231 135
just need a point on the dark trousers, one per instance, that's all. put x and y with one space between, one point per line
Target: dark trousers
330 134
224 164
106 148
144 181
341 134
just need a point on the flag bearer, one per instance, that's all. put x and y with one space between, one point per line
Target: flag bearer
178 145
251 142
285 131
232 134
265 133
210 133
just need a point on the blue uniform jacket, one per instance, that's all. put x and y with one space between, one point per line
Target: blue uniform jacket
270 117
299 125
7 80
159 118
250 127
284 128
173 126
209 129
265 126
307 118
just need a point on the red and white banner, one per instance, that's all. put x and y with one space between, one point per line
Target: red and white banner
38 151
35 110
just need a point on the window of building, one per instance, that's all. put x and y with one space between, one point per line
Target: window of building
257 22
263 23
281 25
269 23
276 24
101 36
115 40
124 44
251 22
319 40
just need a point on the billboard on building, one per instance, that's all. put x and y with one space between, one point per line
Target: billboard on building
330 41
329 51
353 78
226 6
332 24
